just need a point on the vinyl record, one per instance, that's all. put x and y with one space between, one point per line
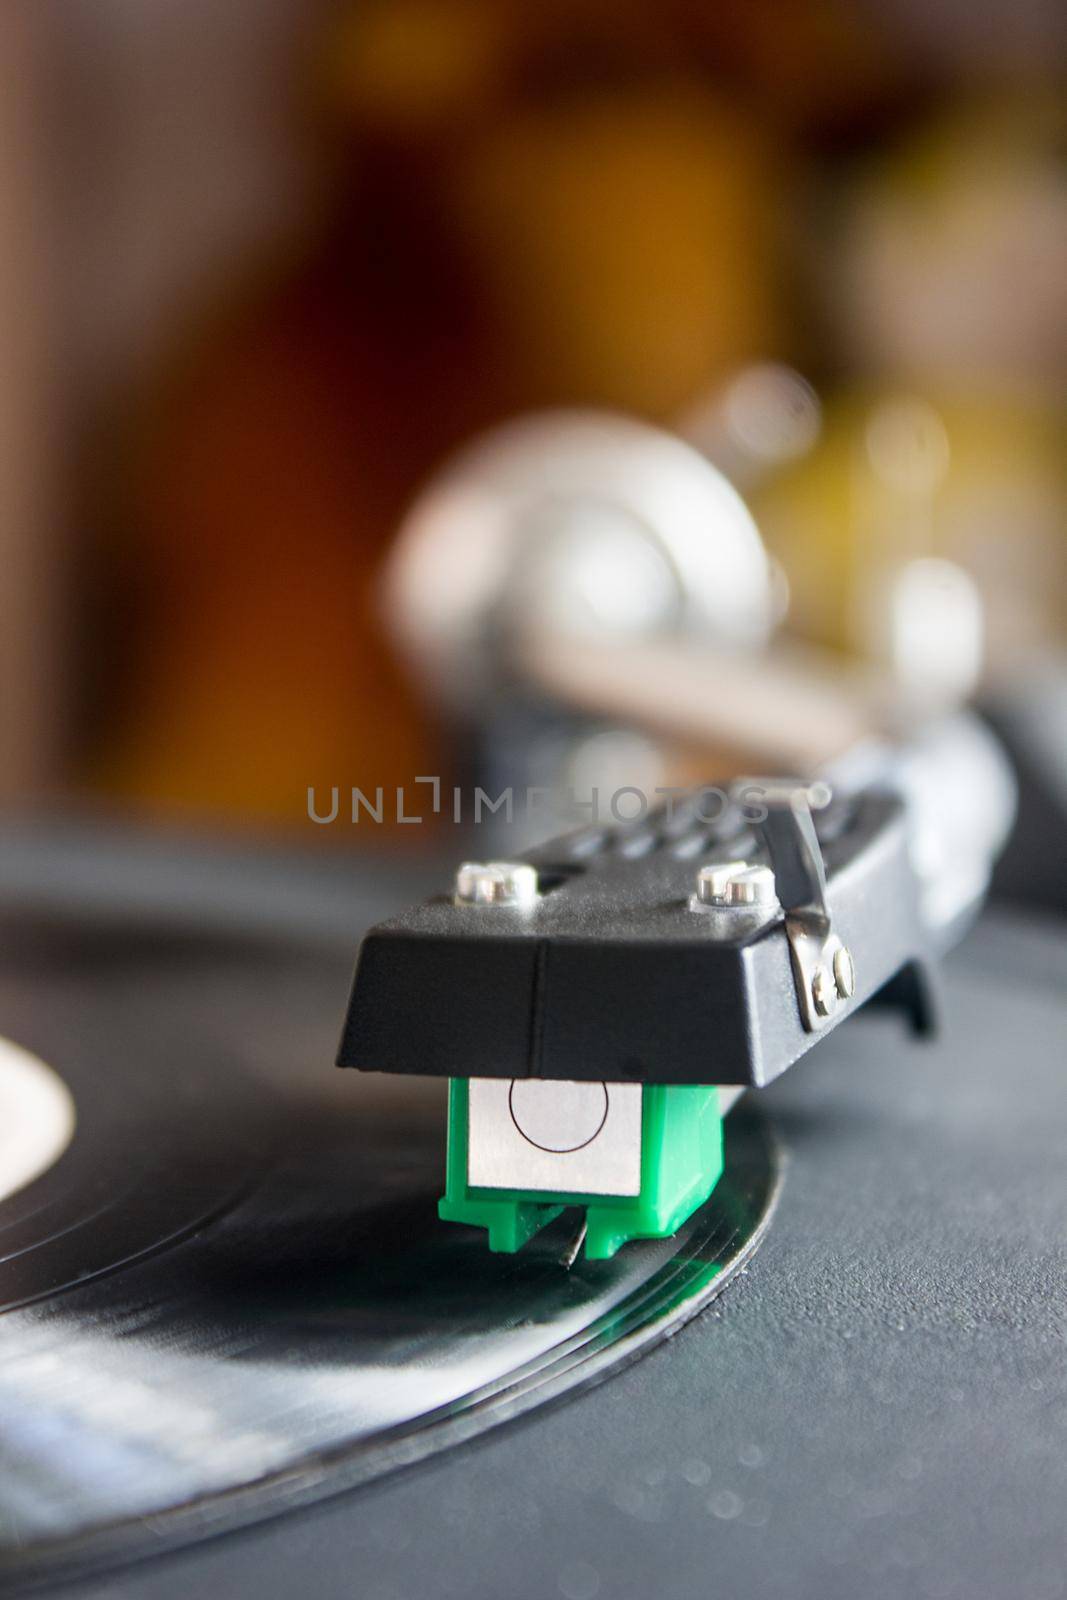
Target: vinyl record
231 1293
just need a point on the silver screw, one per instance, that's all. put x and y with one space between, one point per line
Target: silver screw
753 887
496 883
844 972
712 880
823 991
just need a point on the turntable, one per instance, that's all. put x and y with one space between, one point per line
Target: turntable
231 1310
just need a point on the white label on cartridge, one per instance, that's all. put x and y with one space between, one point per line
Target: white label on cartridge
554 1136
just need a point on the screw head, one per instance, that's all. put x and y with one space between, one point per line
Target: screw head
752 887
735 884
711 880
823 991
844 973
496 883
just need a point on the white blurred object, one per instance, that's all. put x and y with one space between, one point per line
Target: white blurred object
918 615
583 524
765 416
962 795
612 567
960 792
36 1118
935 628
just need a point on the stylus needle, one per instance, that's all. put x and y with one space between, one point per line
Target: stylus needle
570 1255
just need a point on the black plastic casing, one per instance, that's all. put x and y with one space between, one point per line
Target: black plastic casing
612 977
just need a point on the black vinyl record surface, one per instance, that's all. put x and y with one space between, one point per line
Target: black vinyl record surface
232 1294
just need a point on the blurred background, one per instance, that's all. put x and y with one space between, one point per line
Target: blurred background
267 265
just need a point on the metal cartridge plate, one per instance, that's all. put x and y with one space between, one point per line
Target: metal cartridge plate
555 1136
